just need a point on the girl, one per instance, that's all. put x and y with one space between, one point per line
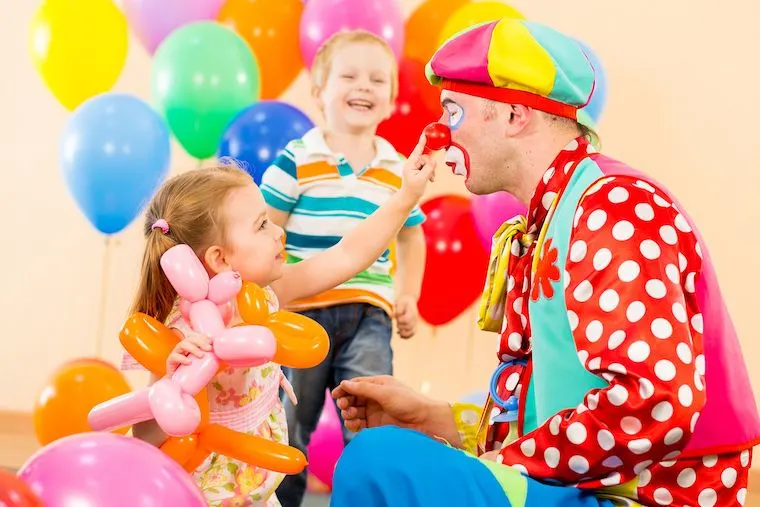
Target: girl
221 214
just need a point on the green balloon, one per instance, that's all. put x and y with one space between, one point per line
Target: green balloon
203 74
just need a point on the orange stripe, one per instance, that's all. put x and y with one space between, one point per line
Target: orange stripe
316 170
340 296
382 177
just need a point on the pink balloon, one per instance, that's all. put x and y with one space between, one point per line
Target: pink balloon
491 211
323 18
153 20
326 442
107 469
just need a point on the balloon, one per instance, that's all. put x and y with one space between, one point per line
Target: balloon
16 493
270 27
114 154
410 116
492 210
323 18
260 132
152 21
424 25
71 391
79 48
148 341
105 469
456 264
326 444
471 14
599 97
301 341
202 76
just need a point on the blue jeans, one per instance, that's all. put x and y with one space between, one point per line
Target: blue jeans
360 345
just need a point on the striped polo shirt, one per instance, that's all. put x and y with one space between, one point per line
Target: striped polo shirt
326 198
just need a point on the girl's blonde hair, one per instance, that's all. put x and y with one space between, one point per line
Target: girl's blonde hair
191 204
320 68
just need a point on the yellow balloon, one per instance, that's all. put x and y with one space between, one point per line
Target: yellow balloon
79 47
475 13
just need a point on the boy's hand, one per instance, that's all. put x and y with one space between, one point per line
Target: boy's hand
417 171
406 314
195 344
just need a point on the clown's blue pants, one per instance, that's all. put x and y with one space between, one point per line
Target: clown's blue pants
394 467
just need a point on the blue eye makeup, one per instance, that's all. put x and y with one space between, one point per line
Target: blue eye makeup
456 115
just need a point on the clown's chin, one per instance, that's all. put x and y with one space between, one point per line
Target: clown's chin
458 161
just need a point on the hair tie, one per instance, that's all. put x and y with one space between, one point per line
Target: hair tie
160 224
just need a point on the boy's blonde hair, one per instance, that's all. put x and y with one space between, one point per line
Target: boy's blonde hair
320 68
191 204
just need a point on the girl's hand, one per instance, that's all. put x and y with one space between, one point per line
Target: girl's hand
195 344
417 171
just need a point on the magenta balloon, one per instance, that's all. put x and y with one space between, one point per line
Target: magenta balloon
326 444
323 18
94 469
153 20
492 210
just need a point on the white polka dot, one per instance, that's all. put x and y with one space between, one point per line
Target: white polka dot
679 312
741 496
548 199
656 289
646 388
628 271
611 480
710 461
592 401
728 477
583 291
583 357
609 300
622 231
708 497
548 175
595 363
665 370
630 425
517 305
572 318
635 311
644 477
693 423
594 331
671 455
571 146
686 478
644 185
618 395
698 382
617 368
551 456
744 458
659 201
699 364
566 279
662 412
578 215
602 259
578 251
681 223
528 447
514 341
596 220
685 396
519 467
661 328
512 381
668 235
612 462
606 439
554 425
689 284
639 351
697 323
649 249
578 464
667 464
639 446
673 436
672 273
618 195
616 339
662 496
684 353
640 467
682 262
644 211
576 433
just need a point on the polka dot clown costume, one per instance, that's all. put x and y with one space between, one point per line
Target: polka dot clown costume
616 342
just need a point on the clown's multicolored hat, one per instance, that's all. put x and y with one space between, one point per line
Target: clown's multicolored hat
519 62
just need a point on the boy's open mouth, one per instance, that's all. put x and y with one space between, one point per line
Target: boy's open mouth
360 105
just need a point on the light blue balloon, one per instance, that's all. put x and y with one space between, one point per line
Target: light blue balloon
115 152
598 100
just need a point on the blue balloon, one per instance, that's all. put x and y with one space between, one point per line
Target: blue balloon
259 132
115 152
599 97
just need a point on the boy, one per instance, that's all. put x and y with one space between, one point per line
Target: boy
318 189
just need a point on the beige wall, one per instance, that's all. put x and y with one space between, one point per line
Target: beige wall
682 105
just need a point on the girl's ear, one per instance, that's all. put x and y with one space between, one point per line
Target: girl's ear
214 260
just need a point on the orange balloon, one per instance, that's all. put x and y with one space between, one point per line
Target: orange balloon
149 341
256 451
424 25
301 341
196 459
270 27
180 449
73 390
252 304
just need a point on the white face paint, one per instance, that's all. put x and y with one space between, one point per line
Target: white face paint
456 156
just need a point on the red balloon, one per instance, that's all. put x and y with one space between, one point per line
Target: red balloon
411 115
15 493
456 265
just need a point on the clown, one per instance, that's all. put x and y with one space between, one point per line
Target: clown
615 341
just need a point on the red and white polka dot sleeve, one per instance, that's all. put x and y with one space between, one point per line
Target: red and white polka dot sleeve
629 289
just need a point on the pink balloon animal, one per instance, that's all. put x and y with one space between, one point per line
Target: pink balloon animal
205 303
